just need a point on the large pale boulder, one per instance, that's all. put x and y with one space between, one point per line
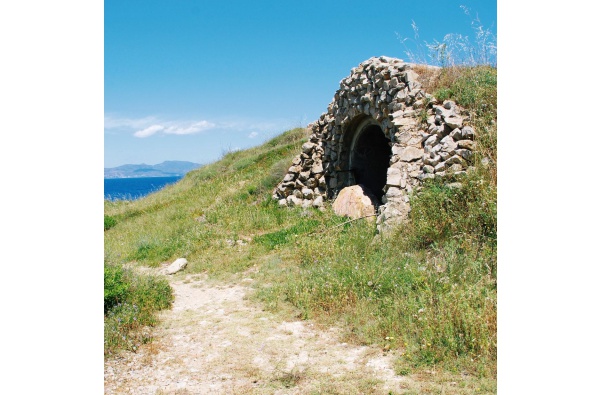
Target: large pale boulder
355 202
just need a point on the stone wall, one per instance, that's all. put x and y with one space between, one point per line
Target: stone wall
426 139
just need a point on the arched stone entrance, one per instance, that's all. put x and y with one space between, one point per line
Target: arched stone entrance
370 155
383 131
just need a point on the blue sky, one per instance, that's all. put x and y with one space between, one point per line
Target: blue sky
61 77
190 80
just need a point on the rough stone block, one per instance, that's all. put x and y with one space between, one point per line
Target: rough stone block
312 183
456 134
393 176
468 144
307 147
431 140
465 153
393 192
455 160
468 133
307 193
318 202
428 169
404 122
410 154
432 161
304 175
454 121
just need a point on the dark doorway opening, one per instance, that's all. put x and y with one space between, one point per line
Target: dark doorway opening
371 159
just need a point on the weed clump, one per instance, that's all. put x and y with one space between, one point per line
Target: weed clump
116 288
109 222
131 301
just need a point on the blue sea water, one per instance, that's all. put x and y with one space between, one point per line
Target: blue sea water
135 188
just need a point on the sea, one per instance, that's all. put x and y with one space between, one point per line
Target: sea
135 188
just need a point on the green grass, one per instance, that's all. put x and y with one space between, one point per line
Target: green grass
473 87
428 289
440 213
285 236
109 222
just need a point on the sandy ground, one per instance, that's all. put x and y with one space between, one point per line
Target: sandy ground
215 341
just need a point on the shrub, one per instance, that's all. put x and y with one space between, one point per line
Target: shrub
130 303
116 286
153 293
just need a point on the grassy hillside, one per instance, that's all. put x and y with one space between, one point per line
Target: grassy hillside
428 289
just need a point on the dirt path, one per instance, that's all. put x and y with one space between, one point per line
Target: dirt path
215 341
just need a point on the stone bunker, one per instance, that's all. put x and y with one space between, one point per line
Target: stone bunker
382 131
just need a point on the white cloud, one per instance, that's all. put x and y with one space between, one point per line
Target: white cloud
178 128
195 127
149 131
148 126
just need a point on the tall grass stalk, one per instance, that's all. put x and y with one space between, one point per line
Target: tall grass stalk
454 49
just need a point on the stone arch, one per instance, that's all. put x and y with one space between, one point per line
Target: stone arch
380 102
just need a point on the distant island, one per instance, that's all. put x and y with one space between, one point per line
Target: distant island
170 168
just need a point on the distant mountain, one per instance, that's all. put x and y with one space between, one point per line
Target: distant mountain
169 168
